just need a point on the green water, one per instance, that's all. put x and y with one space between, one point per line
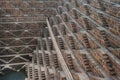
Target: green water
13 76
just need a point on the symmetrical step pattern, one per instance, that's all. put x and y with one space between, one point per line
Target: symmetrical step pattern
74 40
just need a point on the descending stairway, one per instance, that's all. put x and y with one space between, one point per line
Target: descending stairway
60 39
